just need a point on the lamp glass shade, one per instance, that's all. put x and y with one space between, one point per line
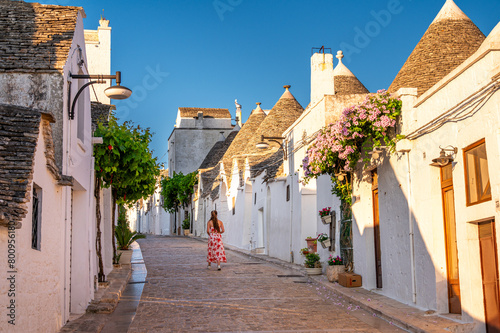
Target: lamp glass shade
375 155
118 92
262 145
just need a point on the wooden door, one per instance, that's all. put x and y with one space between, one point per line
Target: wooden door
450 233
489 268
376 229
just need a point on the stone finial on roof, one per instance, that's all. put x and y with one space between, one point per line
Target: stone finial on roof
341 69
450 39
344 81
287 93
258 108
450 11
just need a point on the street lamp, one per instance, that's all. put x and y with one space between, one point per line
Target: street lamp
264 145
444 158
113 92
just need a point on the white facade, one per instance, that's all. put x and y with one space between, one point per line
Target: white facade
60 278
411 195
98 46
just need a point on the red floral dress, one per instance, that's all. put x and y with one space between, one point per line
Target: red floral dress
215 247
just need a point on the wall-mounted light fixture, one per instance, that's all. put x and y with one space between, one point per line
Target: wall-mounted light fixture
340 175
264 145
444 158
113 92
377 151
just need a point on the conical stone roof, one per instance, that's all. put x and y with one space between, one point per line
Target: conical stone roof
450 39
239 142
282 115
344 81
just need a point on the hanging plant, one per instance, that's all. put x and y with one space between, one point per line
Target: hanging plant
339 145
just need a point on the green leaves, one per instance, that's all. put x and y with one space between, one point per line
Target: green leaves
177 191
125 162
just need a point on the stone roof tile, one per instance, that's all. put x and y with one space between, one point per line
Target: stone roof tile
207 112
218 150
19 129
450 39
35 37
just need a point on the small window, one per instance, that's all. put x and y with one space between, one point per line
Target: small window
36 218
477 180
255 199
288 193
234 205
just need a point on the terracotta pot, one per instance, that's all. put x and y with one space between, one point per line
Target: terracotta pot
186 232
312 245
326 219
332 272
314 271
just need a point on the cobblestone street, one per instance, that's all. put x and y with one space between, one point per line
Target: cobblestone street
248 295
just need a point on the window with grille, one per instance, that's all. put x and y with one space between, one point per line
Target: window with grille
477 180
234 205
36 217
288 193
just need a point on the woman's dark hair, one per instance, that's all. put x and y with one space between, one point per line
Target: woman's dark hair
215 220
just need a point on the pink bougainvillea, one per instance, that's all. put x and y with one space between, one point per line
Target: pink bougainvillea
339 145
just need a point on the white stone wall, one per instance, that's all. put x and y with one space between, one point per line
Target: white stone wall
415 199
189 147
207 123
39 283
99 59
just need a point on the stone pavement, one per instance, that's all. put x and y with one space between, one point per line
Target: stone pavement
248 295
252 293
106 312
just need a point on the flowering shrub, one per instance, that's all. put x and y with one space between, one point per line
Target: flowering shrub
338 146
325 212
322 237
332 261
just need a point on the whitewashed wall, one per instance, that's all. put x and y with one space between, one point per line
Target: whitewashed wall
422 206
39 285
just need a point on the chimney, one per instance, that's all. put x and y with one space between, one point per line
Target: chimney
199 119
321 75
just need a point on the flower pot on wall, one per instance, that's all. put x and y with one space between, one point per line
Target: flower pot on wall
314 271
312 245
186 232
333 271
326 243
326 219
126 256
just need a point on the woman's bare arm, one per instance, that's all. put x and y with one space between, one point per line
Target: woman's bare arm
221 226
209 225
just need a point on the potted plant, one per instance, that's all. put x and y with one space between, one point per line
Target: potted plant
186 223
304 251
324 240
312 244
124 238
313 264
335 267
325 215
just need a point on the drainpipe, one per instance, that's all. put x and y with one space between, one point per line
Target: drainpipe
412 234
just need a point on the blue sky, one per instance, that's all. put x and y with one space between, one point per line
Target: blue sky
207 53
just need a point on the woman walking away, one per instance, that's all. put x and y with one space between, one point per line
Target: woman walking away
216 252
